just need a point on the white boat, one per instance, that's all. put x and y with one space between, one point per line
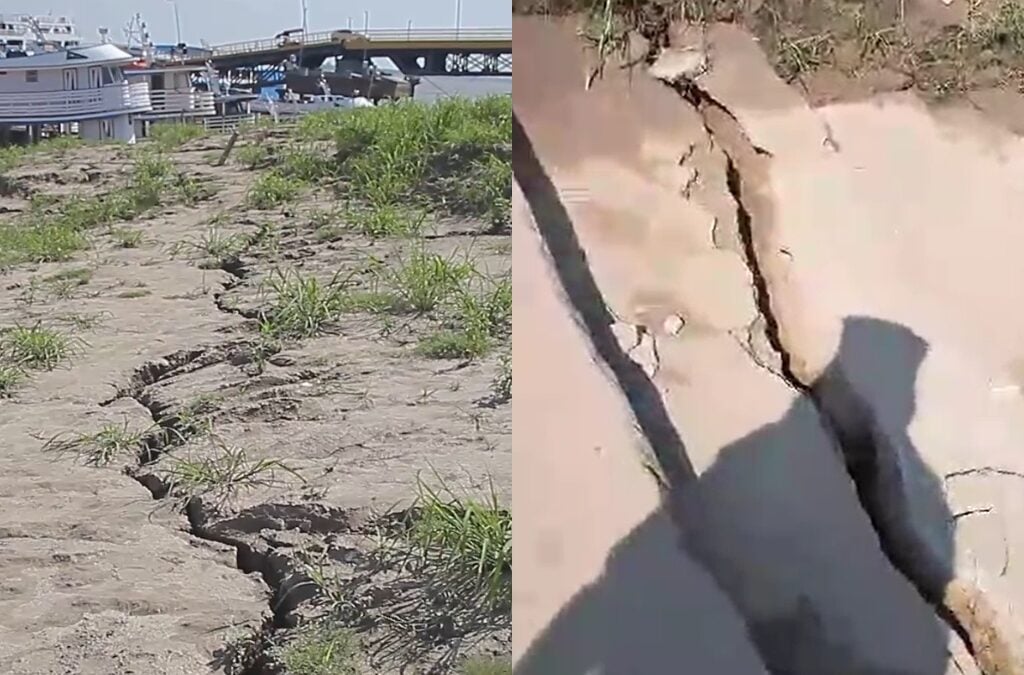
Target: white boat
22 34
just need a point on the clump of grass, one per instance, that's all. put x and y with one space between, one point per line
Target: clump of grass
385 220
215 245
273 189
36 347
150 177
126 237
170 135
303 306
255 155
464 545
475 323
10 378
111 442
423 280
321 649
486 665
221 475
306 163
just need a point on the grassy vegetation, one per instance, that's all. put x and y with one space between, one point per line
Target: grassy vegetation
170 135
214 245
452 157
474 323
63 284
13 155
10 377
486 665
273 189
464 545
255 155
303 306
126 237
55 229
320 649
35 347
422 281
111 442
852 36
220 474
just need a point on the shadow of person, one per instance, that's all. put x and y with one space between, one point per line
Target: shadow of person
780 527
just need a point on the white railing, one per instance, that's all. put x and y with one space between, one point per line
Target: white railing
371 35
112 98
169 102
228 123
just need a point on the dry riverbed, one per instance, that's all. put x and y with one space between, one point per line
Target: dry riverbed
257 417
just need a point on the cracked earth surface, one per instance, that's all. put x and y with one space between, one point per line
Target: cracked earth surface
796 369
102 578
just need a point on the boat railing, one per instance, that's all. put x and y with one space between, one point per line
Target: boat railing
112 98
228 123
182 102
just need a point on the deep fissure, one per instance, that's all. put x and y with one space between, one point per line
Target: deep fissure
859 449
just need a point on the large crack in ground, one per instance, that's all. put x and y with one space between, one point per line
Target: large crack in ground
849 419
288 587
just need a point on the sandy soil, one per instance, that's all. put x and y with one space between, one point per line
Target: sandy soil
101 577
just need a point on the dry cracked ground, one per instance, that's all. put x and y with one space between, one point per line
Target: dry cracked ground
255 415
782 294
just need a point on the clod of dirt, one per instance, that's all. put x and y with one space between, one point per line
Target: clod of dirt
675 65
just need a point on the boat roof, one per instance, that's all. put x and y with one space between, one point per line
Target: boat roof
75 56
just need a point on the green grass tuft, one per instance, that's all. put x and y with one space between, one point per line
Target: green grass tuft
486 665
36 347
464 544
10 378
111 442
321 649
302 306
273 189
170 135
221 475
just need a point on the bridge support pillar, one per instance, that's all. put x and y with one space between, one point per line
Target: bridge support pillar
437 62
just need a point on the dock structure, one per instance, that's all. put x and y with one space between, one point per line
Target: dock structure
415 51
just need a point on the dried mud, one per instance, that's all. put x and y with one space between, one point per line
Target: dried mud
106 571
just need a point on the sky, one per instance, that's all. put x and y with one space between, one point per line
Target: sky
219 21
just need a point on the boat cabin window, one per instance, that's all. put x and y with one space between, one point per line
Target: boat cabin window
31 75
108 76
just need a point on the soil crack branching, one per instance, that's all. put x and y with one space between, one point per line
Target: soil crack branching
864 456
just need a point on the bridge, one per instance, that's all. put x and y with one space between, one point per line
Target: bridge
415 51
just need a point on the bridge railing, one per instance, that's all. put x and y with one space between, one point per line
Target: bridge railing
379 34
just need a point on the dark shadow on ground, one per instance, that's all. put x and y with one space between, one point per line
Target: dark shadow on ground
775 520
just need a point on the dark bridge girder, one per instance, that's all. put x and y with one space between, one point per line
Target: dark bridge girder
411 61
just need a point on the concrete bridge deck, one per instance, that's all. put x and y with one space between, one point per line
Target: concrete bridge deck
416 51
